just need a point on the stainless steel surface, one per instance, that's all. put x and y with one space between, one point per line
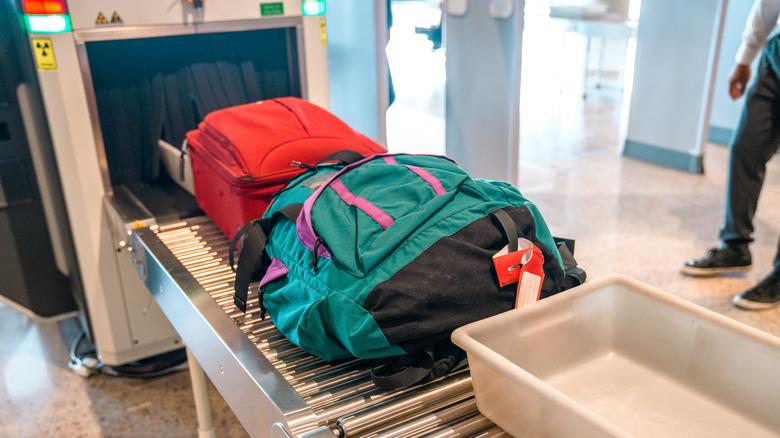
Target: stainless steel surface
258 394
124 212
272 385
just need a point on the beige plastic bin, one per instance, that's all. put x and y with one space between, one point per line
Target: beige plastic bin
617 358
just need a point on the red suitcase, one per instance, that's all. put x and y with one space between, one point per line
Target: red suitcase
243 154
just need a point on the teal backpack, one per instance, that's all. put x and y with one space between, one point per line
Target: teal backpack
385 257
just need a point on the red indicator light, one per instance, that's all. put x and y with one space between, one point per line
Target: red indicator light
44 7
34 7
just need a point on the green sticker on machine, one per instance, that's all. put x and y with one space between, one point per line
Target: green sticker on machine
276 8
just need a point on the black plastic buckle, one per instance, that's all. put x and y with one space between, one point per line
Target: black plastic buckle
240 304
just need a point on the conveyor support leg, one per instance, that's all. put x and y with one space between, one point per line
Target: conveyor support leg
198 377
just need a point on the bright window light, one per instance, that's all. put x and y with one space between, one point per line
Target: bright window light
634 6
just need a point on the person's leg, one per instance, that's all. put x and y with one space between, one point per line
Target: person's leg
766 98
754 142
776 263
765 294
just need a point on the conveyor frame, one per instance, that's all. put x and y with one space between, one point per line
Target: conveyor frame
253 388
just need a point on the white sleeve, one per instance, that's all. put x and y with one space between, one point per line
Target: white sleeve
762 19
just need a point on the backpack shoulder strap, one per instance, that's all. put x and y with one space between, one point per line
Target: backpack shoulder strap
402 371
343 157
573 274
346 156
507 226
251 262
424 365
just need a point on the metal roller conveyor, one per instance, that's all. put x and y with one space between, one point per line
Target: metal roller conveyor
414 420
330 378
273 386
410 404
429 418
318 368
493 432
476 425
331 403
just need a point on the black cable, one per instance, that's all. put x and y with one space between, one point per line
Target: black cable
87 363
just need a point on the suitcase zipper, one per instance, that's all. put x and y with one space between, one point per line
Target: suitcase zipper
221 140
248 181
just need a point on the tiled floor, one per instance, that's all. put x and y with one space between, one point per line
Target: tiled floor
41 397
627 216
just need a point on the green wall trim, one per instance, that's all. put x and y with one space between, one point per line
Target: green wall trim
720 135
664 157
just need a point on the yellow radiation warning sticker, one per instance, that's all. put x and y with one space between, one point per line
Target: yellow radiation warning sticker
44 54
115 19
323 32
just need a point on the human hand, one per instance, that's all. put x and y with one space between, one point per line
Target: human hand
738 80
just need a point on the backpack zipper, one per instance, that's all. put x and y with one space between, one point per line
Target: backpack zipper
263 310
319 242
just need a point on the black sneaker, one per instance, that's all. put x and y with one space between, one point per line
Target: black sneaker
723 260
764 295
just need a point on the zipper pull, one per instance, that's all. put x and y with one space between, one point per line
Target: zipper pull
184 147
317 245
303 166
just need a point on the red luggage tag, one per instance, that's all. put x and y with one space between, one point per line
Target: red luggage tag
524 267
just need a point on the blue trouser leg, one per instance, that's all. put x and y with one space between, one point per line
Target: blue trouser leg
755 141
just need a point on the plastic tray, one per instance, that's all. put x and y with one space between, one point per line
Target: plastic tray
616 357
